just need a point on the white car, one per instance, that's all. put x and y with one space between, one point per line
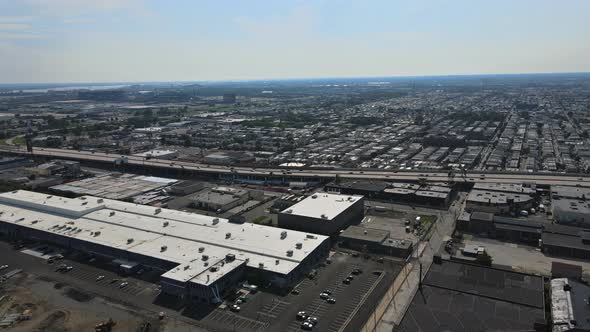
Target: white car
123 284
99 278
235 308
3 267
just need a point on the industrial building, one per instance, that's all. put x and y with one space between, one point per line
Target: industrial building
201 257
459 296
374 240
503 228
497 202
323 213
219 199
114 185
569 305
571 205
569 241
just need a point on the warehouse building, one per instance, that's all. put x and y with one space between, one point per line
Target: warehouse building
201 257
220 199
374 240
498 202
323 213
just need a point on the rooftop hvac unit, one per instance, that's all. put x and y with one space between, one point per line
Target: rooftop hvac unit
227 235
298 245
289 211
289 253
201 249
215 221
214 269
206 264
314 196
129 240
277 262
112 213
166 223
97 233
49 196
163 248
323 216
205 257
158 210
230 257
186 267
283 234
261 265
310 236
84 203
100 200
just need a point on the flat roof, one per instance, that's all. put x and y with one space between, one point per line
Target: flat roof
519 288
114 185
169 235
504 187
365 234
570 192
322 206
494 197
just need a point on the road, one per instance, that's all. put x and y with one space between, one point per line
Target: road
307 173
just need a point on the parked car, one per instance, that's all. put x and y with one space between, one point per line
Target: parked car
302 315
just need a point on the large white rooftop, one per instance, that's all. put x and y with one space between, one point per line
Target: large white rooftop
195 242
323 206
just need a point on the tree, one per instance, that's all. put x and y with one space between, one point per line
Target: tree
484 259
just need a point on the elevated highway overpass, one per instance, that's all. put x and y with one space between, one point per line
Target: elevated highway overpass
87 157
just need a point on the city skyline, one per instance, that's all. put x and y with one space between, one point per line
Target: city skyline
67 41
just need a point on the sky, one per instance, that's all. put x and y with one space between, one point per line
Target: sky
61 41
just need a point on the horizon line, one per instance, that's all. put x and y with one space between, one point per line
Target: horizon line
296 79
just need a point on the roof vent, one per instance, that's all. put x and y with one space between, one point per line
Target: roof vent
230 257
310 236
166 223
261 265
289 211
112 213
314 196
215 221
214 269
158 210
129 240
186 267
100 200
201 249
283 235
97 233
289 253
365 232
163 248
205 257
277 262
324 216
298 245
227 235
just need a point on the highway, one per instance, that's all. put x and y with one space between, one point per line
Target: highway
307 173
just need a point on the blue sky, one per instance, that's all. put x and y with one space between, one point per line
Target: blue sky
191 40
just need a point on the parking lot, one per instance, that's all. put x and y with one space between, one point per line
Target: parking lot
83 275
265 310
272 311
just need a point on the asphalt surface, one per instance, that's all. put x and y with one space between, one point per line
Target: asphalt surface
264 311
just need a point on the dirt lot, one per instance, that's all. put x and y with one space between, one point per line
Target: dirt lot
59 309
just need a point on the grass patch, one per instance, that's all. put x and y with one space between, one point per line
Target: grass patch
260 220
